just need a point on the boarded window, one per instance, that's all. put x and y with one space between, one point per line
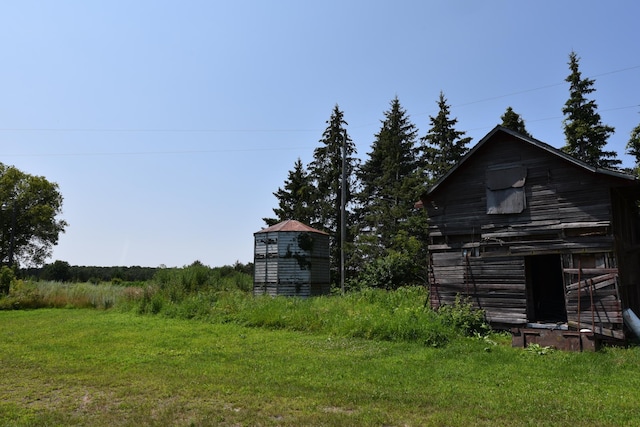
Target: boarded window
505 190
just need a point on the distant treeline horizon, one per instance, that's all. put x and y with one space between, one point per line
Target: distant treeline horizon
62 271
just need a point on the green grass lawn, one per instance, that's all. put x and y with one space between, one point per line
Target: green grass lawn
108 368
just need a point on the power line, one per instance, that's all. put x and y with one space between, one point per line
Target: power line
176 130
146 153
133 130
493 98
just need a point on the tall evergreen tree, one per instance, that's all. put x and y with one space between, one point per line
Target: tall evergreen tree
512 120
326 173
443 146
584 132
633 147
391 182
295 200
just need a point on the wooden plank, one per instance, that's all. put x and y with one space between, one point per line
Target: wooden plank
598 330
590 270
596 283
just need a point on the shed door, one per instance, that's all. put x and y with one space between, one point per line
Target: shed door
545 289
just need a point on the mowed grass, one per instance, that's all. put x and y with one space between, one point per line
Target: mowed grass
107 368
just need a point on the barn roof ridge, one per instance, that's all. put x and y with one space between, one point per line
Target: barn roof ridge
290 225
537 143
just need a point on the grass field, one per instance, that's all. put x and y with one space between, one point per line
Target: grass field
109 368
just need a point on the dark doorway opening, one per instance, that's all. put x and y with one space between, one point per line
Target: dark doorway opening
545 289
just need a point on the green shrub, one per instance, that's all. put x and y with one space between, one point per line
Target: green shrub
539 350
151 302
397 266
6 277
179 283
22 295
464 317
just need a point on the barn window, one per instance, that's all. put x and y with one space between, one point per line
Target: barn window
505 190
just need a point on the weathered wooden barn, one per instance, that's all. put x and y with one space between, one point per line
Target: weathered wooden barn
291 259
547 245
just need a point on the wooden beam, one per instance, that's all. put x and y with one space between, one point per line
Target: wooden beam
590 270
598 330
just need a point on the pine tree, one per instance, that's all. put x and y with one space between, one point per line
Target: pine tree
633 147
389 225
295 200
386 173
584 132
326 173
512 120
443 146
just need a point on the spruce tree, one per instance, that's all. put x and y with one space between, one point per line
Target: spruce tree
512 120
443 146
295 200
633 147
584 132
389 226
326 173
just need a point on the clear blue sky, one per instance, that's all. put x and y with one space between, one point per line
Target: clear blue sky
169 124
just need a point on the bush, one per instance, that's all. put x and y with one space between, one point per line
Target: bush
6 277
179 283
398 266
22 295
464 317
152 301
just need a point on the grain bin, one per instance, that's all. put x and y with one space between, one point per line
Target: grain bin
291 259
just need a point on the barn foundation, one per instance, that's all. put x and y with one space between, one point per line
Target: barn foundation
559 338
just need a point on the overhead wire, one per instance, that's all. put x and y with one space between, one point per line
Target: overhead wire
170 130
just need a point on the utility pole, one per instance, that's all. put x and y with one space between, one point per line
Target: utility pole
343 208
12 235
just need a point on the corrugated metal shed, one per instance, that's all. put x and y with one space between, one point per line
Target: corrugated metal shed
291 259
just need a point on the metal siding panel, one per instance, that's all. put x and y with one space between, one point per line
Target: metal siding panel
283 268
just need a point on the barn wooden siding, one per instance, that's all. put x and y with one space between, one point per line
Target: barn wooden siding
569 211
283 267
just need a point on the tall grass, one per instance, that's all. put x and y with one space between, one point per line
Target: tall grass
84 295
397 315
223 296
30 295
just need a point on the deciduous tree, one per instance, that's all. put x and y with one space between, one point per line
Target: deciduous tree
29 223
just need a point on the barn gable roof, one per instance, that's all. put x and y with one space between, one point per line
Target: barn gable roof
629 179
290 225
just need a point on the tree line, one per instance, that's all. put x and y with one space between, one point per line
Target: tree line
385 234
385 238
62 271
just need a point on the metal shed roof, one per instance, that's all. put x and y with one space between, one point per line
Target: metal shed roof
290 225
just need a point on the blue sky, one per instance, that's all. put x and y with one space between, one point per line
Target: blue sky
169 124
